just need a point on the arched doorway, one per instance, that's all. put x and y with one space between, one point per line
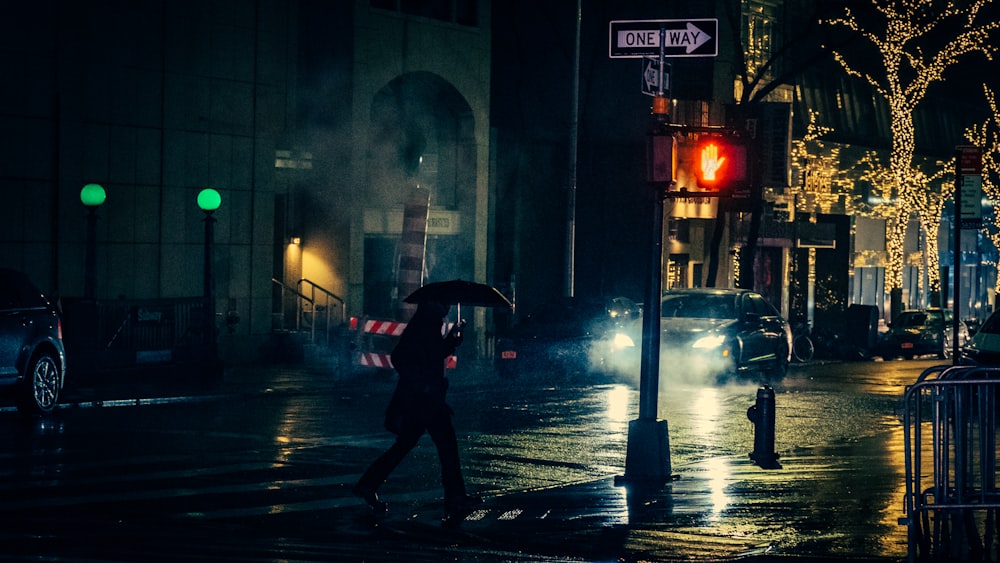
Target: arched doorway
422 135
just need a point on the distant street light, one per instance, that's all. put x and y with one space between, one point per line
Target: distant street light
208 201
92 196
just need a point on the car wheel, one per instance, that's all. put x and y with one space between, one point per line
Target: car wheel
40 389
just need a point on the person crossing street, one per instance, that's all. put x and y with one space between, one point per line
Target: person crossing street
418 405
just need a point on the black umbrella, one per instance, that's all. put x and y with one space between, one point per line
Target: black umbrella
459 292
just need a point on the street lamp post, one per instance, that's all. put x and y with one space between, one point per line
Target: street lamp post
92 196
208 201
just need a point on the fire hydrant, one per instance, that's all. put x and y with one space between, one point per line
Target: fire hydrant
761 415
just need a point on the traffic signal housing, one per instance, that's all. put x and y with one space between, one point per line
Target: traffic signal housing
712 161
692 161
660 156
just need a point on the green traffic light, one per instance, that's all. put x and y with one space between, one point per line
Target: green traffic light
209 199
92 195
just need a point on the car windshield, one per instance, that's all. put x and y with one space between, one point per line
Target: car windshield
699 306
992 325
917 319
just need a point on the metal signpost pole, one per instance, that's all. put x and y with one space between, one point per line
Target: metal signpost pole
649 381
647 458
956 245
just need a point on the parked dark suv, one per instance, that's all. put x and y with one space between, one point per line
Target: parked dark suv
32 357
922 331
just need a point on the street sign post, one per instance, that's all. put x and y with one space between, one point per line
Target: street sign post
632 39
967 215
648 454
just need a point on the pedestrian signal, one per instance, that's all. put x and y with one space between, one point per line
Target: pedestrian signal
711 162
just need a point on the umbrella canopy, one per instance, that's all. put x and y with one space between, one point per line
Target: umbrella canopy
459 292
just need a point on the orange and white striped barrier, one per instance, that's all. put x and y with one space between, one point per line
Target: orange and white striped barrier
375 360
386 328
381 359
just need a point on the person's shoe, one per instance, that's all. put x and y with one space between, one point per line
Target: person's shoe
371 499
458 507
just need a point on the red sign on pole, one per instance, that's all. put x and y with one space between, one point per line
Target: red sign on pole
970 160
968 187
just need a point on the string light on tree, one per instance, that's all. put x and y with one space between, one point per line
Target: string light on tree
818 165
908 68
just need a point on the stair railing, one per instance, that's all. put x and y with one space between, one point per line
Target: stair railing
324 302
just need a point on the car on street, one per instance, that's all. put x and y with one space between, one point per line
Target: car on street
921 332
983 347
713 334
32 356
569 336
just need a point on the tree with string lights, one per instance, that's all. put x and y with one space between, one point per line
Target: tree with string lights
987 136
939 188
914 43
818 163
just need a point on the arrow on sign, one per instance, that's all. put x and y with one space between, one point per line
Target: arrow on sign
691 38
651 76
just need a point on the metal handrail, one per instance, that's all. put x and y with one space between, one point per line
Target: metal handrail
329 295
284 287
310 296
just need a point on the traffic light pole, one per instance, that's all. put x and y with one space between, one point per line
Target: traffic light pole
647 459
648 455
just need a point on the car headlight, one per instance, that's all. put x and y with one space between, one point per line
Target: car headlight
621 341
709 342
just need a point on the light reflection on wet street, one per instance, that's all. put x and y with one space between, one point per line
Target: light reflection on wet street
255 466
838 434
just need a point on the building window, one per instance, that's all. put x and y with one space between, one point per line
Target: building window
463 12
293 159
677 271
758 35
436 9
679 231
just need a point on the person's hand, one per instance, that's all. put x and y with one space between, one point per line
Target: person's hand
457 333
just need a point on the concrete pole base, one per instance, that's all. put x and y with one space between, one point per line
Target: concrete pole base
647 458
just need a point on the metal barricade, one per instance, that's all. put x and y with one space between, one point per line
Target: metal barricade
952 502
374 340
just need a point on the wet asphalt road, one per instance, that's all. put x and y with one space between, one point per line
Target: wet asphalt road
258 467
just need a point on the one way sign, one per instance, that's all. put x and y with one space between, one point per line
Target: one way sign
682 38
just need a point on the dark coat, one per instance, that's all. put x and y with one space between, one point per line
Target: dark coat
419 359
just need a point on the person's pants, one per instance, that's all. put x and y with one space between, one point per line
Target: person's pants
442 432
